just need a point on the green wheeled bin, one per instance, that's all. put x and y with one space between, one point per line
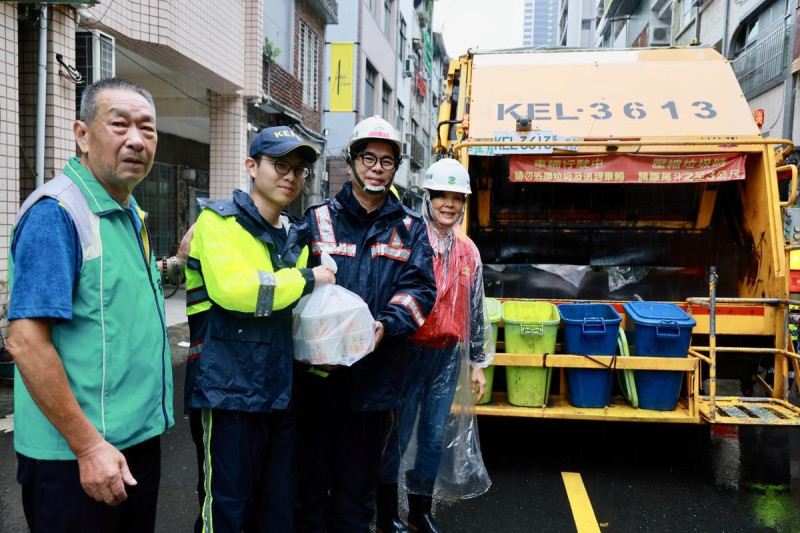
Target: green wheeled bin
495 312
530 328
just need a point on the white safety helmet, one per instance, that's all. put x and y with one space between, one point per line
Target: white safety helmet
375 128
447 175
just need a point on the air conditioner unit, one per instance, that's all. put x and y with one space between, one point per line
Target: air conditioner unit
408 67
659 35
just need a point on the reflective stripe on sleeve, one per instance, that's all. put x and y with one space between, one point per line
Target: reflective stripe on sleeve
387 250
410 304
194 349
266 294
324 223
333 248
196 295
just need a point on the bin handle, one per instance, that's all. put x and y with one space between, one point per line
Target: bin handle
531 329
594 326
668 328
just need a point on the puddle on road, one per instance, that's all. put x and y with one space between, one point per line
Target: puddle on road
763 466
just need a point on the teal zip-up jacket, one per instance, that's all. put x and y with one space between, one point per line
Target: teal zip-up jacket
114 350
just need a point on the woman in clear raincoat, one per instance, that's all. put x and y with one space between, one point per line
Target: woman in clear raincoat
433 449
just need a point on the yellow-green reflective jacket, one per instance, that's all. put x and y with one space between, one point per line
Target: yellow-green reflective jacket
240 291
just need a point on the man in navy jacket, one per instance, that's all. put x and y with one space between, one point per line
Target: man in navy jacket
383 255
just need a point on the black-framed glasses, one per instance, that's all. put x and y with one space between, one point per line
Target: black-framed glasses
283 168
369 160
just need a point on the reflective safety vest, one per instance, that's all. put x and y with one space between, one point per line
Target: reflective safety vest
114 350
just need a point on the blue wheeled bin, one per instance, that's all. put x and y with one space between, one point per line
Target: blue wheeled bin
658 329
589 329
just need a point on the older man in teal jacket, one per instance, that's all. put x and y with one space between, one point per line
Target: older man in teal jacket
87 330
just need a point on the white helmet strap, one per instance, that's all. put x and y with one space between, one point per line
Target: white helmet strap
370 189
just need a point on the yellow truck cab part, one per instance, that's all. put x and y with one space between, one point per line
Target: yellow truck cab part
609 164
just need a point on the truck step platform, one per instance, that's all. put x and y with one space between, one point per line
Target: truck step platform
559 407
748 411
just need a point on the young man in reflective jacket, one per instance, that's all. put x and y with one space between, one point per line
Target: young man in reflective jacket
383 254
246 270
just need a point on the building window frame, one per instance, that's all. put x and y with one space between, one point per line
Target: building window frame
386 97
402 40
387 18
308 65
370 79
399 122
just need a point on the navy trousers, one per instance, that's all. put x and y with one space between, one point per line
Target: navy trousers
428 391
54 500
248 478
339 458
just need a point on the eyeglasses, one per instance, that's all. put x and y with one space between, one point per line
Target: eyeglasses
283 168
369 160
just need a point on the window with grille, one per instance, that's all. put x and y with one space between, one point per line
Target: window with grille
399 123
387 94
387 18
401 40
369 91
94 59
309 65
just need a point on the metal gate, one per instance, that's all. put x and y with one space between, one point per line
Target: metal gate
157 194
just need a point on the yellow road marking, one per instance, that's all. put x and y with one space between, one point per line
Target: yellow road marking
582 510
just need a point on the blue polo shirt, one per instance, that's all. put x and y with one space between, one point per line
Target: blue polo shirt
47 260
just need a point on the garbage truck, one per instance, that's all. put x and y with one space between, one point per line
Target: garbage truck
628 214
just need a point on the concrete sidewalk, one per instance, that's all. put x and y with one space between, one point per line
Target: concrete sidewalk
175 307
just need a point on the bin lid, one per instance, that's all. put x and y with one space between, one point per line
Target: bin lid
654 313
578 312
530 312
494 310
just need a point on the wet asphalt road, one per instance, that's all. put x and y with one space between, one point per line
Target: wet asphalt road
639 477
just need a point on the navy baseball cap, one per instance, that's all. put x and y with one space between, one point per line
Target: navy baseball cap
279 141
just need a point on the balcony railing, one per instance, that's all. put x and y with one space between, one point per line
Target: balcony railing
763 62
328 10
417 152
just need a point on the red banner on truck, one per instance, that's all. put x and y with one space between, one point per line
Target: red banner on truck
626 168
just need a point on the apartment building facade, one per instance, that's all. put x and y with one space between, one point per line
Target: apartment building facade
577 23
540 23
397 74
294 36
204 63
759 37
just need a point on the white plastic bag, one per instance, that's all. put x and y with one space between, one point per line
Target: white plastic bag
332 326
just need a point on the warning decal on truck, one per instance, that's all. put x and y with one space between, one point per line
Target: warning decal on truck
627 168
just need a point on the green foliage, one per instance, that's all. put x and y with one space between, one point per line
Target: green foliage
270 52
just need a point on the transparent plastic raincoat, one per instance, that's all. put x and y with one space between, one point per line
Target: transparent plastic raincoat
435 449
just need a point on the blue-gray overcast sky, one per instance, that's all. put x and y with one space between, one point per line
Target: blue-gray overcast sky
486 24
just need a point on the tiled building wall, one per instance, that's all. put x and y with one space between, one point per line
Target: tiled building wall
28 54
228 132
9 131
253 47
312 118
771 102
60 112
203 39
337 175
60 140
